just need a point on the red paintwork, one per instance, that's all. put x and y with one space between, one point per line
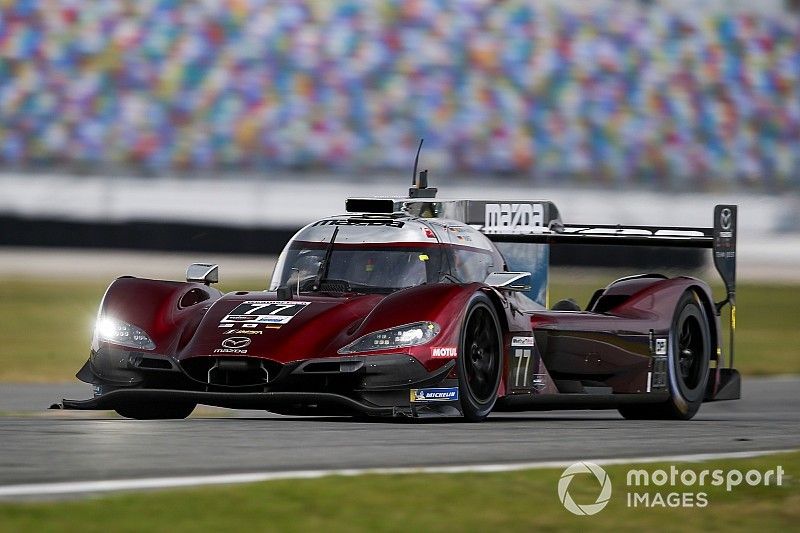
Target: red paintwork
153 306
319 330
616 342
587 343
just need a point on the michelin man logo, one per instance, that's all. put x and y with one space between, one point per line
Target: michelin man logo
584 467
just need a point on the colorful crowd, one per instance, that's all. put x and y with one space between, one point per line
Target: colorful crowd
634 92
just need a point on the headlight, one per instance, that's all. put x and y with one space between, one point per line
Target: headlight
119 332
399 337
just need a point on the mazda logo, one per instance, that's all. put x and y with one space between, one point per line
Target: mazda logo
725 219
236 342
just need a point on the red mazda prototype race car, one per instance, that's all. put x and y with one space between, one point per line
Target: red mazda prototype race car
422 307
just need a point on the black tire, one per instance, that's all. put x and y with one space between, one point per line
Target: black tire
688 356
157 412
480 359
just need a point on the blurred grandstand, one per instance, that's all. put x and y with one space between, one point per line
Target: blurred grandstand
677 95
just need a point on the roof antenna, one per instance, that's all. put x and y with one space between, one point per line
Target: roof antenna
419 182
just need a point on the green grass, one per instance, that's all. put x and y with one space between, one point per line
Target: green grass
515 501
45 326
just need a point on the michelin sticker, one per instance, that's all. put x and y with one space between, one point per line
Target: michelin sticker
434 395
269 312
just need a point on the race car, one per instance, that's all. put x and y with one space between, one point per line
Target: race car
416 307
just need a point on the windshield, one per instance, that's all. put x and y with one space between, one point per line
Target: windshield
370 267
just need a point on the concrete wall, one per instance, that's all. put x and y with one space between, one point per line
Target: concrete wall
769 228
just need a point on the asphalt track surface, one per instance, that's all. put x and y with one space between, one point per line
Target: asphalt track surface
56 446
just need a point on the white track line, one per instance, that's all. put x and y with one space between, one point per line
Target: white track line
83 487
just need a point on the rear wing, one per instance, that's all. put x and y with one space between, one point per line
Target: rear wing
720 238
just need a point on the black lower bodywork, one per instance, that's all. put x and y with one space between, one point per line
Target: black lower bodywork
376 385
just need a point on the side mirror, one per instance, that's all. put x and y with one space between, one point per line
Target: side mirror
202 273
510 281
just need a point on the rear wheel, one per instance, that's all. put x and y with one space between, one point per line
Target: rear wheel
480 359
688 356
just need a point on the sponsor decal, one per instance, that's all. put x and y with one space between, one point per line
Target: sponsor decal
243 332
521 341
725 219
539 381
234 345
661 346
360 222
270 312
224 325
236 342
513 218
434 395
461 233
444 351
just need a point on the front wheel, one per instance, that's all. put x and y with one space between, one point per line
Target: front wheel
480 359
688 356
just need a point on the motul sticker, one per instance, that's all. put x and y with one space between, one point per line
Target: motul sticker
444 351
264 312
522 341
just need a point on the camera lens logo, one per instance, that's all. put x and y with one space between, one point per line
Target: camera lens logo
584 467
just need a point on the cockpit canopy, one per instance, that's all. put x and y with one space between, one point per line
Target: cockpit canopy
383 254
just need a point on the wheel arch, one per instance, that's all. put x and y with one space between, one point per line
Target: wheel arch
497 303
703 294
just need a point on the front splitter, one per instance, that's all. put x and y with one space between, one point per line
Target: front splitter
280 401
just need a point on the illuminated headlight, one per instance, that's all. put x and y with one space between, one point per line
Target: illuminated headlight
122 333
399 337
